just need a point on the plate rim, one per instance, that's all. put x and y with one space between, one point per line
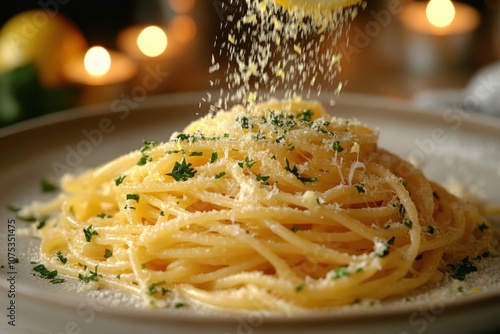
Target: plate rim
170 100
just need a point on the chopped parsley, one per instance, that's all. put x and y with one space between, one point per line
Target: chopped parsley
432 230
483 227
47 274
182 171
179 305
360 188
29 219
336 147
144 160
247 162
461 269
196 154
221 174
152 290
305 116
262 179
88 233
133 197
103 215
340 272
174 151
295 229
41 223
382 249
119 180
408 223
300 287
436 196
295 172
108 253
401 210
213 157
92 276
47 186
147 145
259 136
243 121
61 257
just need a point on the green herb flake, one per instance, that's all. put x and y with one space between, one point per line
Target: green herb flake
144 160
47 186
174 151
133 197
432 230
41 223
263 179
247 162
92 276
336 147
119 180
300 287
221 174
162 213
182 171
152 288
45 273
460 270
61 257
295 229
119 276
483 227
408 223
179 304
383 249
401 210
295 172
436 196
147 145
103 215
244 122
360 188
305 116
340 272
108 253
196 154
214 157
89 234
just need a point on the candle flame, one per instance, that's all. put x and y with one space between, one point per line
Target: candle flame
440 13
97 61
152 41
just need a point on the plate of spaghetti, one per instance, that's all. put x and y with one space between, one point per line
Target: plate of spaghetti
369 216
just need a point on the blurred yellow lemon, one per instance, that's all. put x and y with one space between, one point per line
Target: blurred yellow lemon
43 38
311 5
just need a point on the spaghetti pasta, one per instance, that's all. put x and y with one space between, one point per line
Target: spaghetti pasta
281 207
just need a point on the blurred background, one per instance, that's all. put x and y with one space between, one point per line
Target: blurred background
393 49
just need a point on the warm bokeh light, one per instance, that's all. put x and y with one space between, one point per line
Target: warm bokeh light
97 61
152 41
182 28
181 6
440 13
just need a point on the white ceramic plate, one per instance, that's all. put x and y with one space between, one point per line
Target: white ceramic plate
451 146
